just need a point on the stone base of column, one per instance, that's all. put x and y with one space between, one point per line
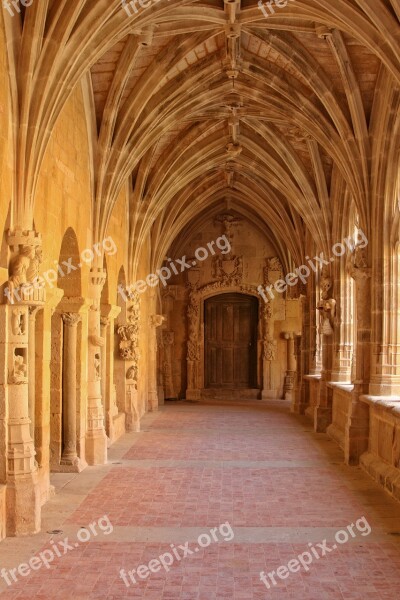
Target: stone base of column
132 419
357 430
160 394
67 465
152 400
191 394
298 405
322 418
96 448
269 395
356 443
23 506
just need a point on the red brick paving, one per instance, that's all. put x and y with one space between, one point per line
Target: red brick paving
206 496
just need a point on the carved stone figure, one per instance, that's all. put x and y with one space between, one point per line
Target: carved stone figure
19 372
20 265
33 269
327 305
97 363
17 322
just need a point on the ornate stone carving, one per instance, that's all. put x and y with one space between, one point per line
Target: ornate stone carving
33 269
228 270
132 375
97 340
358 264
19 372
71 319
18 325
157 320
273 271
269 349
20 265
129 333
327 305
97 365
104 321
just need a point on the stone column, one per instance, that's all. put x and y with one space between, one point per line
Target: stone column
69 459
154 322
96 439
104 325
291 366
168 342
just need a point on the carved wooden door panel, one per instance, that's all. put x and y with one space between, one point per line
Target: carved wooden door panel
231 341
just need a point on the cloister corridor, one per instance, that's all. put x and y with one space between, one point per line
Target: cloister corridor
193 467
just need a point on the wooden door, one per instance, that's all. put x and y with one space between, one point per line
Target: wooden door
231 341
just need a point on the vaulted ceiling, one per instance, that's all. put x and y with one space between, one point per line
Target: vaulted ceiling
194 102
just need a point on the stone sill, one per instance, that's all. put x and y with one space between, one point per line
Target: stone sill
346 387
391 403
312 377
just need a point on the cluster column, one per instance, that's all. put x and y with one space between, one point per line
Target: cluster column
109 313
96 439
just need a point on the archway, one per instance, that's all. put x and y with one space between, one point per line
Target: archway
67 375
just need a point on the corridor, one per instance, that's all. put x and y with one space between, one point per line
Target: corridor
255 474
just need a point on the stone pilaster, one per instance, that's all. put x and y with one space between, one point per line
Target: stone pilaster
168 342
357 426
193 346
154 322
268 352
96 439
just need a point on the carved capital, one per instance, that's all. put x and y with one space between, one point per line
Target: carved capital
104 321
71 319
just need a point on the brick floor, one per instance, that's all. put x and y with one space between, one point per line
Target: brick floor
281 487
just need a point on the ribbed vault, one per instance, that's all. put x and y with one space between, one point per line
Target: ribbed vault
189 102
